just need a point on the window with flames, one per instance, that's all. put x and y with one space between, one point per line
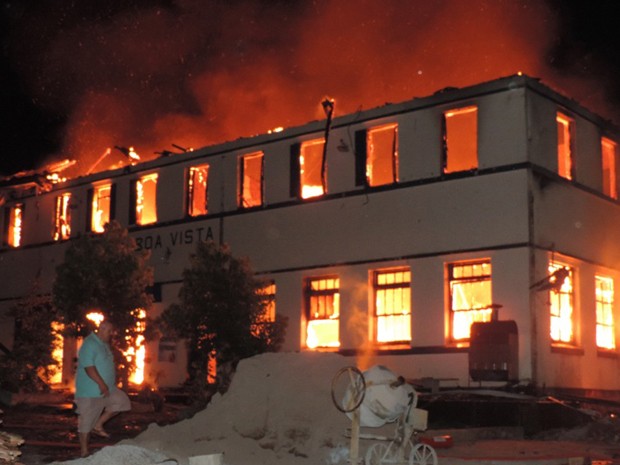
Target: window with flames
382 157
146 199
197 183
101 207
470 296
322 296
14 223
460 136
565 145
561 305
312 168
605 338
392 312
62 217
250 184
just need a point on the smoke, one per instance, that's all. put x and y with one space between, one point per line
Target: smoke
192 73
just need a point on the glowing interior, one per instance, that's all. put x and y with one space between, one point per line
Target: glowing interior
565 163
101 204
609 168
561 306
322 329
251 192
311 165
62 217
15 226
393 306
605 338
470 296
197 186
146 199
382 160
461 139
57 353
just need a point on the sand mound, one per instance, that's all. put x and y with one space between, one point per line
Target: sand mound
278 410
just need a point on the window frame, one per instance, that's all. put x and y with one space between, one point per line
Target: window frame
62 217
482 313
393 154
14 233
377 288
557 311
94 202
605 321
191 183
566 160
140 202
242 201
609 159
322 165
333 294
446 158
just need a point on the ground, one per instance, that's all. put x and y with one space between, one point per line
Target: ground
50 428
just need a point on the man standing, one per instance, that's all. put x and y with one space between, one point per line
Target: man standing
96 395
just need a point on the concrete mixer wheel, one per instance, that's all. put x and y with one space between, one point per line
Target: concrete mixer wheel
378 454
348 389
423 454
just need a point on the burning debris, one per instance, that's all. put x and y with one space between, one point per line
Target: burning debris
9 447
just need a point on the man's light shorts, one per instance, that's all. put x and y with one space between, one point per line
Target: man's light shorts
89 409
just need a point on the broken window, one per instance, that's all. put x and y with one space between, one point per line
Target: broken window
322 312
197 199
565 155
609 168
382 156
605 338
392 290
251 180
470 296
62 217
13 225
101 207
312 168
146 199
561 303
460 151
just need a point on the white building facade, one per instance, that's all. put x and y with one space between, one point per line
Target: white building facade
385 235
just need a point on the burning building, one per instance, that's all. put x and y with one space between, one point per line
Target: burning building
467 236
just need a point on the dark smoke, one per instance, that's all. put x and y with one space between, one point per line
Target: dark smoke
150 74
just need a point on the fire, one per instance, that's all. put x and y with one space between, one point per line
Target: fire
15 226
136 353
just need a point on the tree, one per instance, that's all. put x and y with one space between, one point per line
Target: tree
104 273
29 365
221 311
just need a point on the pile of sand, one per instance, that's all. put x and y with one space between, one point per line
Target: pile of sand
278 410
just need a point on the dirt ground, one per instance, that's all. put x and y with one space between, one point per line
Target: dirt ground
50 432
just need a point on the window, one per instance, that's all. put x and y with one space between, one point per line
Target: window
565 155
460 140
470 296
323 312
268 296
609 168
251 180
382 157
392 290
146 199
197 198
561 302
13 225
605 338
101 205
312 168
62 217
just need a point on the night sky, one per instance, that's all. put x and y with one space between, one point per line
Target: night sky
80 76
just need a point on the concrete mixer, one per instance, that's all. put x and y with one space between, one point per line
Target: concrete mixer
377 397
